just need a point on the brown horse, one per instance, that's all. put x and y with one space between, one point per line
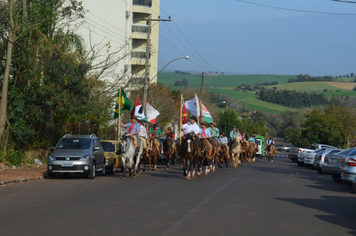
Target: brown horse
244 151
235 150
154 152
252 152
271 150
208 154
169 151
223 156
189 152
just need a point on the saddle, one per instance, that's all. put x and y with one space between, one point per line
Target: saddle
134 141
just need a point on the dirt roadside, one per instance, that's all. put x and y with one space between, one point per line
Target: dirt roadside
11 174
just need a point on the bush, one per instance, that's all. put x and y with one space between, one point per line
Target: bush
14 157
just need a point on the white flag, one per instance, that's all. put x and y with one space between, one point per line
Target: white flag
192 106
151 113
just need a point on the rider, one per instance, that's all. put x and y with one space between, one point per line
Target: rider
251 139
169 131
143 131
155 132
243 136
234 133
270 141
134 129
215 133
204 131
223 138
193 129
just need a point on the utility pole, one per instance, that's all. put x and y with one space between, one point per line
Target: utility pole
202 82
148 49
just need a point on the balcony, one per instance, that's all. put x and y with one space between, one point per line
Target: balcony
145 3
142 29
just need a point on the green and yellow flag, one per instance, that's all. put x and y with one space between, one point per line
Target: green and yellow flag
125 104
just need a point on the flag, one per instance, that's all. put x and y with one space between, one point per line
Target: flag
151 113
206 115
125 103
184 113
138 111
192 106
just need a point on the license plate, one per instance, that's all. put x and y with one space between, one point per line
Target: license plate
67 164
333 160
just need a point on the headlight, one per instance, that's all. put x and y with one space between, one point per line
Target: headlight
84 158
107 160
52 158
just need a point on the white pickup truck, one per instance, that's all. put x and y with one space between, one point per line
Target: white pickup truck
297 154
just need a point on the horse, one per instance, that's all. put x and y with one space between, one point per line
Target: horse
145 155
189 153
216 151
252 152
235 150
208 153
169 151
244 151
128 154
154 152
271 150
223 156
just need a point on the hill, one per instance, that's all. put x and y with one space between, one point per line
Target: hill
225 84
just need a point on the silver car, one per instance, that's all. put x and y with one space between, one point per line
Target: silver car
77 154
332 164
309 158
320 158
348 171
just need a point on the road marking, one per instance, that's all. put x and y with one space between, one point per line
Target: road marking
180 223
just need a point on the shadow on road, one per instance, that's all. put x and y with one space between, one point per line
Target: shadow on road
340 209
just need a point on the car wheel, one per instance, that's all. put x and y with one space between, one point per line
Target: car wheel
112 169
91 175
337 178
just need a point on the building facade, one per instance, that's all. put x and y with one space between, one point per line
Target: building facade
121 26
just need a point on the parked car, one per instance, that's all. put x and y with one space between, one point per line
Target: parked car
112 158
332 163
77 154
319 158
309 158
284 148
298 154
348 171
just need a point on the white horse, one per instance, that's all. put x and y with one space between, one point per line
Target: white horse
128 155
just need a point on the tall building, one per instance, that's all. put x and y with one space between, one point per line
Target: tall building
121 25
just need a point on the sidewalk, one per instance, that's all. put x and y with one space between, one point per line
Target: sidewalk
9 174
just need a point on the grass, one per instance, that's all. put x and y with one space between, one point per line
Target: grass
306 86
224 84
257 104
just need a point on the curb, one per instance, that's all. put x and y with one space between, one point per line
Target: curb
20 181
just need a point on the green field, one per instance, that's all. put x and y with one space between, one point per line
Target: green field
225 84
306 86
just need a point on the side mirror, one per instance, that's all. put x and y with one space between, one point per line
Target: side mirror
51 148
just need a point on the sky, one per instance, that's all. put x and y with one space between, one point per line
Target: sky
282 37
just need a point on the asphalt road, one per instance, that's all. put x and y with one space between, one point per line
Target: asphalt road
259 198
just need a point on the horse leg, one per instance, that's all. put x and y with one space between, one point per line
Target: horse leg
185 168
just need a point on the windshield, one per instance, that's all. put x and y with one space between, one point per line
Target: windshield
74 143
347 151
108 146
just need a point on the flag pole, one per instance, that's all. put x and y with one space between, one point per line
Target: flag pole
196 107
201 111
180 119
118 121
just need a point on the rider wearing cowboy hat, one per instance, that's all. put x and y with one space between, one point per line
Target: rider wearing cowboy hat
134 129
169 132
155 132
204 131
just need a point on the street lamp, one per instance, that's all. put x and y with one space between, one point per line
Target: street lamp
186 58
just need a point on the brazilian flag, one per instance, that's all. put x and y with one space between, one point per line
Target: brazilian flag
125 104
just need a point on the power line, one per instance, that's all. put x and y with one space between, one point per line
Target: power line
343 1
297 10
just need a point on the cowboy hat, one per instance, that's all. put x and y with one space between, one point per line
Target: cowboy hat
169 128
134 117
204 123
193 118
214 123
154 126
